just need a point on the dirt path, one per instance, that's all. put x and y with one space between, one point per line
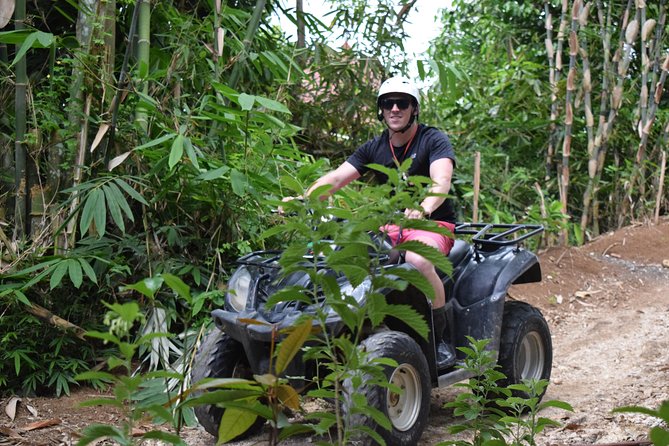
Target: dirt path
607 305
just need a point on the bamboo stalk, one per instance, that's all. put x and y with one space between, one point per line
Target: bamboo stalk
78 174
569 115
251 30
477 186
299 13
143 49
589 117
658 199
555 69
56 321
21 187
121 84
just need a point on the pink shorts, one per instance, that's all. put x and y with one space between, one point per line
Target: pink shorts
443 243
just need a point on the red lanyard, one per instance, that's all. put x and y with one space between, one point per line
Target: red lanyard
406 149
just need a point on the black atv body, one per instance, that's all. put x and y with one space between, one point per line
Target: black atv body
484 267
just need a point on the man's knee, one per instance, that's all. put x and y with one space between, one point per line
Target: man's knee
420 263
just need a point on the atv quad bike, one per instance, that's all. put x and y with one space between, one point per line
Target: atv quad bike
484 267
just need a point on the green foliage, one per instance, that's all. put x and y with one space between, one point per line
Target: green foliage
335 237
492 414
121 318
659 435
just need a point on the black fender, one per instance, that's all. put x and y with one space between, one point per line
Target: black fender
414 298
477 302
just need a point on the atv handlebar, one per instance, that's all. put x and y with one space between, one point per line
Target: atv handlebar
498 234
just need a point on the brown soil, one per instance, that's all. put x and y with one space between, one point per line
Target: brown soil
607 304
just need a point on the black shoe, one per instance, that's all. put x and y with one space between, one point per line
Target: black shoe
445 356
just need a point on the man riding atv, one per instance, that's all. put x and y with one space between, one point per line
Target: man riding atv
432 155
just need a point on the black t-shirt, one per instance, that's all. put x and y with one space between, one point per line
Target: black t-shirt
428 145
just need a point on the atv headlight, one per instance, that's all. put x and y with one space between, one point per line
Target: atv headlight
238 289
360 292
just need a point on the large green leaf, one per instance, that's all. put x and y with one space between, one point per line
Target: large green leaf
272 105
178 286
234 423
246 101
28 40
291 345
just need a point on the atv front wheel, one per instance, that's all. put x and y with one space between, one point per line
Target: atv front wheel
407 410
220 356
526 350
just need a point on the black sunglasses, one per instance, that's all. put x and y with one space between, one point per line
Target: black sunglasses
388 103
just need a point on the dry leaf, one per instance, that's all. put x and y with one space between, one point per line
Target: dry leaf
6 11
32 410
10 408
101 133
42 424
9 432
117 160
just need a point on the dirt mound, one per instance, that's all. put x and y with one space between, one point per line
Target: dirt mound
607 304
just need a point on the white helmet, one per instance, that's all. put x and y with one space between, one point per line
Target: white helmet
399 84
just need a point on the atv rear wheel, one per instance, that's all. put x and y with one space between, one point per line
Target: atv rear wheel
407 411
220 356
526 350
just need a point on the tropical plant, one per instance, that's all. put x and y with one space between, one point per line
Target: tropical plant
496 415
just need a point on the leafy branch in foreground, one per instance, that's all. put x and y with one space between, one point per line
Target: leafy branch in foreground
658 435
493 414
120 319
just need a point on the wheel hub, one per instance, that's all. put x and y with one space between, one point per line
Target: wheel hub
403 407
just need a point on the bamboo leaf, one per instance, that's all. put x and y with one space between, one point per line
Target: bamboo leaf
130 191
177 150
37 39
22 297
88 212
190 151
100 213
113 206
213 174
120 200
74 271
57 274
88 269
292 345
157 141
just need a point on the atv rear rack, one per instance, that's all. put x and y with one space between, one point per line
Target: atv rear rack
489 235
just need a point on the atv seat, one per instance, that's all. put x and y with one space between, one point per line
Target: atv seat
458 252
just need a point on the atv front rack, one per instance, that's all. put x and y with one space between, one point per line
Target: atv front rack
494 235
